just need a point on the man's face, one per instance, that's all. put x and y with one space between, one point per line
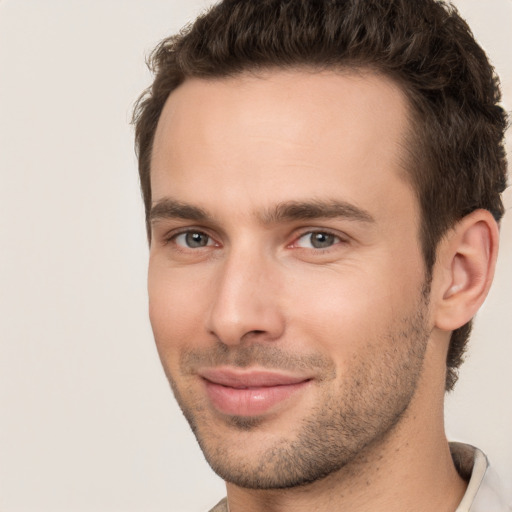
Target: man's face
286 283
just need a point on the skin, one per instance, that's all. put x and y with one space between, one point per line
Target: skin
236 281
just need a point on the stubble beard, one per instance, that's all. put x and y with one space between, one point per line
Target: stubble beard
339 433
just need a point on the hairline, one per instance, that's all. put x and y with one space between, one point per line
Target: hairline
409 144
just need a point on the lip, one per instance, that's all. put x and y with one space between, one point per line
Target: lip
249 393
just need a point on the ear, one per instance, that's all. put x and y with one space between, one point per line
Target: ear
464 270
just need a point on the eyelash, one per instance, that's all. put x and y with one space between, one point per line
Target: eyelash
171 238
339 239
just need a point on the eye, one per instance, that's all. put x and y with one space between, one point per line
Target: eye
317 240
193 240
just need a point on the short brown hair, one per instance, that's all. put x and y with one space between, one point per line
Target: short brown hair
457 157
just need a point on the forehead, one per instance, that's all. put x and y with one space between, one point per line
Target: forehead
280 135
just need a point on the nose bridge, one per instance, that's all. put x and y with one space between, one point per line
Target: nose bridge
244 299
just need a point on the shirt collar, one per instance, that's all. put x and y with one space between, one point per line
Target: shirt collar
483 492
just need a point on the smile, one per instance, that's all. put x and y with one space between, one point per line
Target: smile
251 393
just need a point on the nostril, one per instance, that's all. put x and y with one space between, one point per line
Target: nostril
255 333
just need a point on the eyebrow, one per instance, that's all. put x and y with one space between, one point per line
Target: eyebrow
307 210
288 211
168 208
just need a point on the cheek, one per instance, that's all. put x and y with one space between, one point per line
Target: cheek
351 309
175 305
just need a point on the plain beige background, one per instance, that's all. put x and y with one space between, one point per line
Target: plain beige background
87 422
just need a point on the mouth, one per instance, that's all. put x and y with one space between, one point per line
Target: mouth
250 393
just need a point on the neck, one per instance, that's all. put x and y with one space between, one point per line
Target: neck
410 469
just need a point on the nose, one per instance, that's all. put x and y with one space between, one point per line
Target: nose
245 302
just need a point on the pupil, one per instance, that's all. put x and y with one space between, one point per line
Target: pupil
196 239
322 240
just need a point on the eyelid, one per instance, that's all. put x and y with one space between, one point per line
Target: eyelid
172 234
342 237
210 242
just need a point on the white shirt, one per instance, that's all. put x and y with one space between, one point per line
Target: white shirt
484 493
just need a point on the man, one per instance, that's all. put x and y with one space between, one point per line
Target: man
322 186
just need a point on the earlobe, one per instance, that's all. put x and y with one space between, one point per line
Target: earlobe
466 262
